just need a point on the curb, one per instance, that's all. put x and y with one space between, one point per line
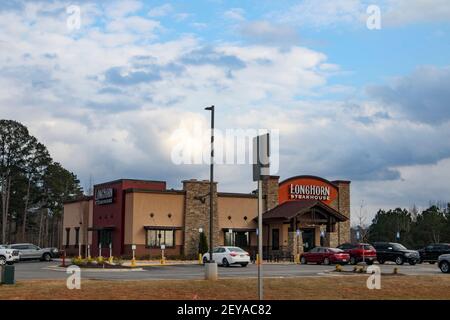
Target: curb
63 269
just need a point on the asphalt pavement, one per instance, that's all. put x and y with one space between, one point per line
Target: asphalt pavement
34 270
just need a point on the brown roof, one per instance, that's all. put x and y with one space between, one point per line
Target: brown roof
290 209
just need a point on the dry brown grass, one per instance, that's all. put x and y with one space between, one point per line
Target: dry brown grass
346 287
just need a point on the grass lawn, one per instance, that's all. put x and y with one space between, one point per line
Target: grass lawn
339 287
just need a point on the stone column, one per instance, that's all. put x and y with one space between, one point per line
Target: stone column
196 215
270 192
343 229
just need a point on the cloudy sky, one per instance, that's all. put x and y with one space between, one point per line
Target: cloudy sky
110 99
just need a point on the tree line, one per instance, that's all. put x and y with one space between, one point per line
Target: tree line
33 188
411 228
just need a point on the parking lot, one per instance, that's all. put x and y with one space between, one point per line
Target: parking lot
35 270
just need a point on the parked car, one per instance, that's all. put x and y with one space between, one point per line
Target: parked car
444 263
325 255
227 256
432 252
359 252
30 251
7 255
396 252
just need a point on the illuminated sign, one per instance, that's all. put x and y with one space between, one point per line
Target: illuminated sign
300 191
104 196
302 188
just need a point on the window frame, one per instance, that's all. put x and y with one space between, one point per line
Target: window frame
158 239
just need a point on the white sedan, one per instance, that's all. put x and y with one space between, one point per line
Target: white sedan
227 256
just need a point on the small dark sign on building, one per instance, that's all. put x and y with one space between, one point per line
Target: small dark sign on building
104 196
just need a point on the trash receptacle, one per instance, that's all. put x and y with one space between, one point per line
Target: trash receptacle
8 274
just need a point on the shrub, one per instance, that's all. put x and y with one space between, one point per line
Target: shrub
100 260
77 261
338 268
202 244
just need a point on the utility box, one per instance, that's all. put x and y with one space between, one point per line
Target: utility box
7 274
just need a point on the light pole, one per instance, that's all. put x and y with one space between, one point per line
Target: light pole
211 266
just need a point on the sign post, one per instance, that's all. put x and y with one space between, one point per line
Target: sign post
261 170
100 249
133 261
79 250
297 258
163 258
110 253
211 266
89 251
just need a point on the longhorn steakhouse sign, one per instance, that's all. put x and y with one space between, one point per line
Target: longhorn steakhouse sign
104 196
307 188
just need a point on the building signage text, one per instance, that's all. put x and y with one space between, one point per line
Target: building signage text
313 192
104 196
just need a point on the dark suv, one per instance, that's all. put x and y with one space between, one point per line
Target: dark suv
432 252
391 251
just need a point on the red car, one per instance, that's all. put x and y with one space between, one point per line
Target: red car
325 255
359 252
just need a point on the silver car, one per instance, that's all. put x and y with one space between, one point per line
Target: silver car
30 251
444 263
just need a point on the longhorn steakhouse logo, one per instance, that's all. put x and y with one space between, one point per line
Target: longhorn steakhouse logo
313 192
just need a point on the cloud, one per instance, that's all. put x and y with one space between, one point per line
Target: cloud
210 56
161 11
235 14
404 12
135 24
106 100
268 33
422 96
323 13
122 8
331 14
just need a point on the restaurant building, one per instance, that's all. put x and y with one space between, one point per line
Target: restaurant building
299 213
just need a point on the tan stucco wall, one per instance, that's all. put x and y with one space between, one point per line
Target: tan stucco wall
138 208
74 213
237 208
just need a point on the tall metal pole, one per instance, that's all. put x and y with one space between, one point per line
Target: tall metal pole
260 240
211 187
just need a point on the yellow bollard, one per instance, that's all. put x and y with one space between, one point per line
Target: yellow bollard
297 258
133 262
200 261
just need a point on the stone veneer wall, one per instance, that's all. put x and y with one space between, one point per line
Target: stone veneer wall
343 228
196 215
270 192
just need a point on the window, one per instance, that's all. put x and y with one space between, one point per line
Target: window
156 238
67 237
77 235
275 239
104 237
237 238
